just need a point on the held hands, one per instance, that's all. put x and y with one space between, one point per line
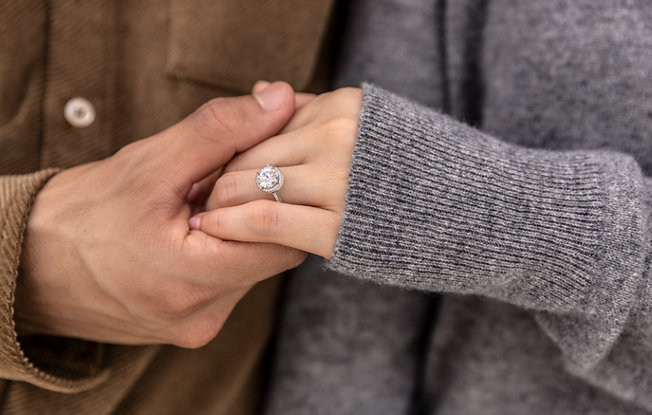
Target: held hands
109 255
314 152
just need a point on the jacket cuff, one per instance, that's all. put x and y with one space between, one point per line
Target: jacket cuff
437 205
64 365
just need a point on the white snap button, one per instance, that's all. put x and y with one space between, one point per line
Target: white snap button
79 112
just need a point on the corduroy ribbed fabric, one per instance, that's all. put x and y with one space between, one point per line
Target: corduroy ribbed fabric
143 66
17 194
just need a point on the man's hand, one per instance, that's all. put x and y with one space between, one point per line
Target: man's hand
109 255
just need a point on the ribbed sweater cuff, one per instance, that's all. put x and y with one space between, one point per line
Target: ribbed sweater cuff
17 194
437 205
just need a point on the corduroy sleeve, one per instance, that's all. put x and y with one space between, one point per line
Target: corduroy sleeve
436 205
48 366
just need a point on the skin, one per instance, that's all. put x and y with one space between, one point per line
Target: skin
314 152
109 255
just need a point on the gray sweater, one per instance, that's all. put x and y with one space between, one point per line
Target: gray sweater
496 240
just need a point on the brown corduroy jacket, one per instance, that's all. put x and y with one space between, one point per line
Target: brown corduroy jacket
143 66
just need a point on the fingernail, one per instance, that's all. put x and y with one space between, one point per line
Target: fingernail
271 97
194 222
260 85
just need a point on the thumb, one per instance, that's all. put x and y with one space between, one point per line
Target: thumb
208 138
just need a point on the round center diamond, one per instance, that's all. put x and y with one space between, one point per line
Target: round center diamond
269 179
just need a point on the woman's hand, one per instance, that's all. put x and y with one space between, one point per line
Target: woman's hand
314 153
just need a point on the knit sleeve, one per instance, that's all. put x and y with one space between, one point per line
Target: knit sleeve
436 205
63 365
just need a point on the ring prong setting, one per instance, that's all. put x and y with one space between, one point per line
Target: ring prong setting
269 179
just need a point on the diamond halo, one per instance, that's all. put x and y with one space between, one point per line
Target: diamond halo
269 179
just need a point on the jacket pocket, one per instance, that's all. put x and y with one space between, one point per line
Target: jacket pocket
233 43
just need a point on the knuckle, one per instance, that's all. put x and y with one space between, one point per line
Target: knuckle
176 302
213 223
177 307
264 218
226 189
189 338
198 333
214 108
349 92
221 114
352 97
341 128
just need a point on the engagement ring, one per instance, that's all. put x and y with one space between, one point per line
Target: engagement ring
269 179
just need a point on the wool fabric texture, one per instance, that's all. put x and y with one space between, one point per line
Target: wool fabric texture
494 252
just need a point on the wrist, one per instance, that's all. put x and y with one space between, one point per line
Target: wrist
45 259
